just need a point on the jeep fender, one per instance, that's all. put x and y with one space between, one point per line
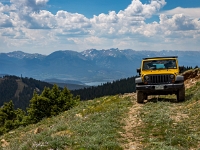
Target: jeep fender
179 78
138 80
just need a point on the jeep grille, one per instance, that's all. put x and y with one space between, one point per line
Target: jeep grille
159 79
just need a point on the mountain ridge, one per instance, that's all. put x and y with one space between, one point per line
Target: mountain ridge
91 65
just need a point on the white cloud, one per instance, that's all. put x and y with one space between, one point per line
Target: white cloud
31 4
41 2
4 8
106 18
42 20
178 22
5 21
27 24
126 21
145 10
189 12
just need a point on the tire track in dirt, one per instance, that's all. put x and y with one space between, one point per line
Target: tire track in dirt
132 121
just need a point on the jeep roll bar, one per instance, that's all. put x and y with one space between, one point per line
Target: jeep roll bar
160 57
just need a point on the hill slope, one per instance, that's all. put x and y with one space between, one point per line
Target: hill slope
117 122
19 90
91 125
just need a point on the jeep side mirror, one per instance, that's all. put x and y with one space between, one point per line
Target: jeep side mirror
138 70
181 69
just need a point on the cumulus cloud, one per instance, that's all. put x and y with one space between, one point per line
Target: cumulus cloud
126 21
179 22
5 20
33 17
145 10
4 8
189 12
31 4
28 20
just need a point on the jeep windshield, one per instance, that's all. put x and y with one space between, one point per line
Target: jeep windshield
159 64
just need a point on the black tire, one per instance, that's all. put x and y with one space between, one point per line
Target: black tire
181 95
140 97
145 97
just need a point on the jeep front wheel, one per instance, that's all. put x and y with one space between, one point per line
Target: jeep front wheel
140 97
181 95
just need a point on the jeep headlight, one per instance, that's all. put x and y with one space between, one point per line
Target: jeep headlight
171 76
146 78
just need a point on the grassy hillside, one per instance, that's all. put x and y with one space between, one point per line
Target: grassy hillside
92 125
116 122
168 125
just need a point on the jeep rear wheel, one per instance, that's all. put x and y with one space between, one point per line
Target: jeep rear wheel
140 97
181 95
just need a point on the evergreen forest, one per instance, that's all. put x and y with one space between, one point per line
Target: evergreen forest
51 102
126 85
121 86
20 90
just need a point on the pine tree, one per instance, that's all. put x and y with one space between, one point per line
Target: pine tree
50 103
39 108
7 117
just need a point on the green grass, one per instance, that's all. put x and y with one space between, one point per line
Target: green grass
97 124
171 126
92 125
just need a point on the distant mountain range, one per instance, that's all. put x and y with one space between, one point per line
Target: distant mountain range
87 66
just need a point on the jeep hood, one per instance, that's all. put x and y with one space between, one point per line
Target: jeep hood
161 71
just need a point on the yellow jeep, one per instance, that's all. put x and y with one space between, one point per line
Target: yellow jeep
159 76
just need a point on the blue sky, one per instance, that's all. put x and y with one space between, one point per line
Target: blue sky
95 7
88 7
44 26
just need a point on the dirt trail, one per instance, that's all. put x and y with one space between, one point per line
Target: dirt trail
132 121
